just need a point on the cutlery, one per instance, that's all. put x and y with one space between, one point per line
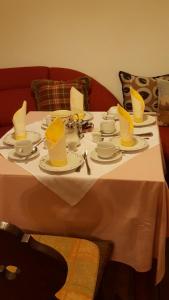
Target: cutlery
34 149
87 163
5 147
145 134
78 168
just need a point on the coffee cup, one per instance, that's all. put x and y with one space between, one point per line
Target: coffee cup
96 136
106 149
23 148
107 126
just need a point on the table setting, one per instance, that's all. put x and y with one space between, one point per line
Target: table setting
64 148
120 130
91 181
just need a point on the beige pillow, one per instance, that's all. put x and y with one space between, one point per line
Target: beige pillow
163 98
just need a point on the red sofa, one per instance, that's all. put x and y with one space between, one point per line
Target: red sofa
15 87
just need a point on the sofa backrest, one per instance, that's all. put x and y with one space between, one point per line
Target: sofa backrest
15 86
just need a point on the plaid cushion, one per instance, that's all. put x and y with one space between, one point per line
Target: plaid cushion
52 95
146 86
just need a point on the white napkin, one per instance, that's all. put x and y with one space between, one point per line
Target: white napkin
19 122
126 127
55 138
76 101
138 105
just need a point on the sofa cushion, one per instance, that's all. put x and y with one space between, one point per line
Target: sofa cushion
53 95
146 86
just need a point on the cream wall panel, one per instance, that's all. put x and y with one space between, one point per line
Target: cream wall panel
98 37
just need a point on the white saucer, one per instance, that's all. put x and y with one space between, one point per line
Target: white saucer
33 136
147 120
74 161
109 134
113 158
141 143
12 155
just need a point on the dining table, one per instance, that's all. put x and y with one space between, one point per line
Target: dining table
124 199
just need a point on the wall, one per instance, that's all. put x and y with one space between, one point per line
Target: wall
98 37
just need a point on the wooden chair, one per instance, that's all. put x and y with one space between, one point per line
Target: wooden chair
50 267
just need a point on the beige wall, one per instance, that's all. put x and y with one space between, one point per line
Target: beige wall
98 37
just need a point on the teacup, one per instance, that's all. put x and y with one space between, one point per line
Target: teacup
107 126
23 148
96 136
106 149
49 119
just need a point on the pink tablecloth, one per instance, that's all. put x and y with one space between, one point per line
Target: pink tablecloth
128 206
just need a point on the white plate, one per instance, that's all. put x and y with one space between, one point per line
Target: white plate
141 143
33 136
115 157
87 117
113 111
62 113
110 134
12 155
74 161
148 120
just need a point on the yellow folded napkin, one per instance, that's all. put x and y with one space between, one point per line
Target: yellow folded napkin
76 101
126 127
138 105
19 122
55 138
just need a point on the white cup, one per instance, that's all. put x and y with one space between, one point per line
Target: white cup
96 136
49 119
106 149
107 126
23 148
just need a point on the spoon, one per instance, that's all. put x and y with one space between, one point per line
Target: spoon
87 163
34 150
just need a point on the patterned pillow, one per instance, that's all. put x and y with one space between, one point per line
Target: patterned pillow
146 86
52 95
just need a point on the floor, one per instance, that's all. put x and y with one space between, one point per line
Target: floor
120 282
